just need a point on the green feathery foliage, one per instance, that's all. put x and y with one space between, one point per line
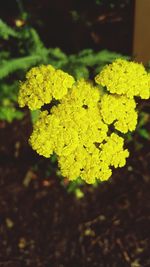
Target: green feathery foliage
30 51
6 31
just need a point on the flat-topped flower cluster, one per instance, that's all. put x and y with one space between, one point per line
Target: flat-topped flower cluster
84 128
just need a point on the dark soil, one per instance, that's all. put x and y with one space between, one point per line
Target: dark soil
41 225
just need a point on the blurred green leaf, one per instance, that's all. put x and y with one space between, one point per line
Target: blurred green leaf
35 115
9 113
144 133
79 193
6 31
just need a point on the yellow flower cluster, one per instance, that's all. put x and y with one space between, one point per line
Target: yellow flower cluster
74 130
42 84
78 128
120 110
125 78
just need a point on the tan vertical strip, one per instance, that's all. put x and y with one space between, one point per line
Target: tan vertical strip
141 40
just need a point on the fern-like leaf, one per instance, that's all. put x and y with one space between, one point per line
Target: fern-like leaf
6 31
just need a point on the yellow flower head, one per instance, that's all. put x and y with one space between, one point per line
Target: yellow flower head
77 129
42 84
119 110
125 78
74 130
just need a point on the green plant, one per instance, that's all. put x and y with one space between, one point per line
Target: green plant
27 50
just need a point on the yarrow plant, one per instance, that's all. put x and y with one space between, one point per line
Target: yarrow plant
84 127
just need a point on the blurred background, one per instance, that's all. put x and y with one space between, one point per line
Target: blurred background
45 220
76 25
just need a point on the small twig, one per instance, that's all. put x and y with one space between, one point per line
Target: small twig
20 6
124 252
